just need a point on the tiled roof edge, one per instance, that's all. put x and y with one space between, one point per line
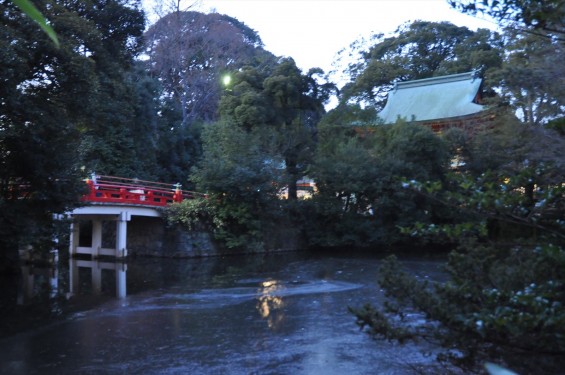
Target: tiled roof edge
468 76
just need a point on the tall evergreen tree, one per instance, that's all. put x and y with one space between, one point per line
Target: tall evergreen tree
51 99
418 50
287 103
543 16
532 77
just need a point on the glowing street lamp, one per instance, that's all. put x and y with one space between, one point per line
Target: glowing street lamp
226 80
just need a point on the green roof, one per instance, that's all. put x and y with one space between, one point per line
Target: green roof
433 98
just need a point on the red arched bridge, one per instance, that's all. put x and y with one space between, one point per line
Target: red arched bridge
111 189
117 199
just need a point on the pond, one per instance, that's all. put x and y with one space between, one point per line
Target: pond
258 314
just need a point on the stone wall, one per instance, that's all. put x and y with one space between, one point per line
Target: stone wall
145 236
148 236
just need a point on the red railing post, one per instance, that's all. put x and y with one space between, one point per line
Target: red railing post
177 196
91 188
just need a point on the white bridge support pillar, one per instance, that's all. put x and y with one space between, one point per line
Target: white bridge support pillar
75 234
121 234
97 214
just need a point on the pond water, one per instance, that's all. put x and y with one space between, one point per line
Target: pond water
263 314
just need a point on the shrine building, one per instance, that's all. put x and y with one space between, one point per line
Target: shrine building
439 103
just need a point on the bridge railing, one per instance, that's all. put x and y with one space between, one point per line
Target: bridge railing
111 189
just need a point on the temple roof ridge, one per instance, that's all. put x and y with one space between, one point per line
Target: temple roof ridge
467 76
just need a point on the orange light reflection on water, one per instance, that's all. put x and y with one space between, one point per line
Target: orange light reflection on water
270 303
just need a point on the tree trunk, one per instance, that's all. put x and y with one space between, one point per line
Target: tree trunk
292 172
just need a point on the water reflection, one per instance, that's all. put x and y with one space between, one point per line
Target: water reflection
270 303
84 277
101 274
277 314
36 281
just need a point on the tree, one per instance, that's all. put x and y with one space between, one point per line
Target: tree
418 50
287 103
503 300
241 177
510 145
179 148
262 144
50 98
109 129
531 77
360 202
346 175
546 16
189 52
346 114
297 103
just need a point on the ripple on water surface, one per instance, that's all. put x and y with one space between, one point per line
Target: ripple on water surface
220 297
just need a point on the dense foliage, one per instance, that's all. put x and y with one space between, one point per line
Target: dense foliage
531 77
285 104
61 108
504 299
262 146
545 16
243 180
360 202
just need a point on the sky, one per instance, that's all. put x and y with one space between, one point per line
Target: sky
313 31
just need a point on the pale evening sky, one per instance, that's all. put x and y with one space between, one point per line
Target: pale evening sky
313 31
